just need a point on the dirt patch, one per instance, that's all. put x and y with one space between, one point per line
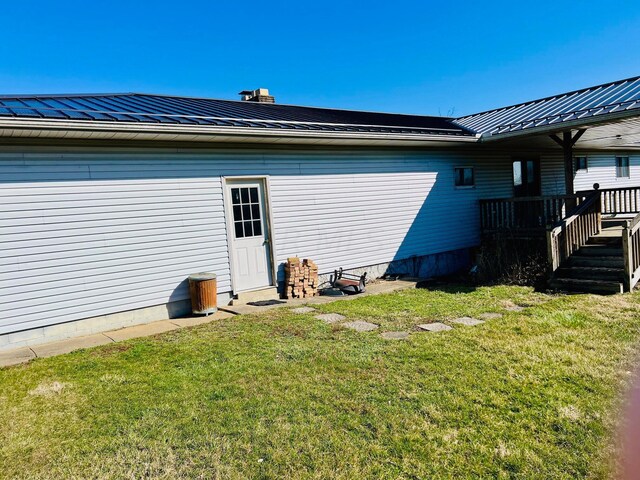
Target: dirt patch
48 389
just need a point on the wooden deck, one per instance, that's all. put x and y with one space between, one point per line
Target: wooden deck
573 227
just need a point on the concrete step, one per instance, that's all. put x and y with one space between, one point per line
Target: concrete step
591 273
599 250
261 295
586 286
595 261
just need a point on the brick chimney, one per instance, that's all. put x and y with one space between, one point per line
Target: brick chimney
260 95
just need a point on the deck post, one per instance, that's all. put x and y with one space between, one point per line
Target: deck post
627 256
567 142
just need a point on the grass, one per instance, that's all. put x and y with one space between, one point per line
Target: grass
531 395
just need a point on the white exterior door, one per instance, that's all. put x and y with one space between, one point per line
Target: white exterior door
249 236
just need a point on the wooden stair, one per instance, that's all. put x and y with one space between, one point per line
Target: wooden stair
596 267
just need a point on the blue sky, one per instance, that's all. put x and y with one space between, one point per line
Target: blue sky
403 56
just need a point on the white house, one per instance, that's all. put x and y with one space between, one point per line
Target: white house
109 202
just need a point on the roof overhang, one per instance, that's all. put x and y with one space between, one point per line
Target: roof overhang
21 128
550 128
620 132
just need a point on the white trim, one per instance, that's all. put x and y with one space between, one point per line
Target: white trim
268 224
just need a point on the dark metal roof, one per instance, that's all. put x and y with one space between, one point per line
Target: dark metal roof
161 109
601 100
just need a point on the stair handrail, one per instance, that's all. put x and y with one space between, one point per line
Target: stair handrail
573 231
631 252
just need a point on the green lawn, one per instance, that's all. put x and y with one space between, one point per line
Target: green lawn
531 395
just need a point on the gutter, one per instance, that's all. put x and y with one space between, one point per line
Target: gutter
123 130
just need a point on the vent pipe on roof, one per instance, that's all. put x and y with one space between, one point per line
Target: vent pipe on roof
260 95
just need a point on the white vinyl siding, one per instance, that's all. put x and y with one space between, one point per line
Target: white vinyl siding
87 234
602 170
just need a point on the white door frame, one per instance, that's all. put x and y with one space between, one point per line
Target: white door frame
228 213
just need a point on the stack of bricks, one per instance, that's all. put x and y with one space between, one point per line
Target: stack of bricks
300 278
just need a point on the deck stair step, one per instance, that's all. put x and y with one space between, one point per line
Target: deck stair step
597 267
595 261
591 273
614 241
586 285
614 222
599 250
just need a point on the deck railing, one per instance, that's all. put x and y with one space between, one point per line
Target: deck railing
620 200
569 234
526 214
631 252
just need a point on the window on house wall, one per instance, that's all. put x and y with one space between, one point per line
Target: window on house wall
581 164
464 177
622 167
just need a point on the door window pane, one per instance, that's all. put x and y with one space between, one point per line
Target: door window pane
237 213
246 212
245 195
257 227
235 196
531 175
517 173
254 195
239 232
248 228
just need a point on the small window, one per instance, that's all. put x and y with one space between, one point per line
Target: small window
464 177
622 167
581 164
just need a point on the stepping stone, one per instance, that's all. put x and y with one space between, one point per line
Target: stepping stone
330 317
303 310
490 316
515 308
360 326
395 335
434 327
468 321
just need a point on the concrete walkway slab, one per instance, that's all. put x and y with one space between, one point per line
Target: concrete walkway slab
66 346
330 317
14 357
200 320
514 308
145 330
468 321
434 327
361 326
395 335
